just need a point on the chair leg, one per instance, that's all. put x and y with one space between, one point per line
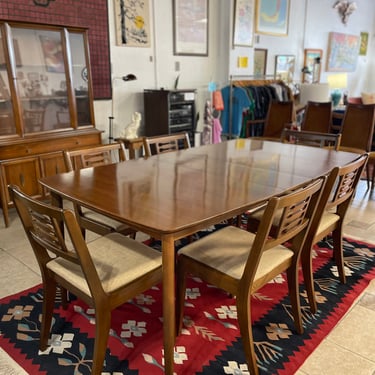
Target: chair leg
102 327
180 293
244 321
292 274
308 277
49 296
338 253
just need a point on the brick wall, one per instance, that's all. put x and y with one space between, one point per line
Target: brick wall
92 14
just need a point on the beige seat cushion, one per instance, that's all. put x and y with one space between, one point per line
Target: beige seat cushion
228 249
92 215
328 219
119 260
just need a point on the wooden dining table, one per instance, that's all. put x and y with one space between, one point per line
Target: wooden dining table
173 195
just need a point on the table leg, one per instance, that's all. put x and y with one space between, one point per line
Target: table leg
169 318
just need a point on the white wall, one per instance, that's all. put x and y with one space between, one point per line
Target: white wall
310 22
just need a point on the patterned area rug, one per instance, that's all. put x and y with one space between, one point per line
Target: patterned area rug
210 342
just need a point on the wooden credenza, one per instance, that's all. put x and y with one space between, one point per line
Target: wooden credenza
46 103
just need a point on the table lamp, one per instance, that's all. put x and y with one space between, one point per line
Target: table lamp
337 82
128 77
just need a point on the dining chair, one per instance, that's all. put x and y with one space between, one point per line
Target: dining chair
165 143
329 220
95 156
279 114
241 262
311 138
104 273
357 127
357 133
317 117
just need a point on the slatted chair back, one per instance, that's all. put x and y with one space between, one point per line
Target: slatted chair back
165 143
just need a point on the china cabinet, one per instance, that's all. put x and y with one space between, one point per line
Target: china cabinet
46 103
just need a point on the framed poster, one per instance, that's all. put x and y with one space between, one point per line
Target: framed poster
343 50
312 64
190 27
272 17
243 31
132 19
53 56
284 67
260 62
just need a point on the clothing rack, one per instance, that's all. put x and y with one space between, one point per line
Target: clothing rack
251 80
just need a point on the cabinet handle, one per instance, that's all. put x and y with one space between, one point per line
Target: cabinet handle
22 180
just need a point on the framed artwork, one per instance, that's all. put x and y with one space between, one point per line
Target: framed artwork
312 64
243 31
53 56
260 62
284 67
272 17
343 50
190 27
132 19
364 43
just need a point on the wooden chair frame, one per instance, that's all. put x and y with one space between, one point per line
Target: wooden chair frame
93 157
79 267
235 260
317 117
311 138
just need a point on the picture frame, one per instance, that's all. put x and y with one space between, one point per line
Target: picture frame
53 56
364 43
260 62
132 22
343 51
190 27
272 17
312 63
243 30
284 67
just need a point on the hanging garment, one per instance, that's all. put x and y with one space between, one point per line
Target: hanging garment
216 131
240 102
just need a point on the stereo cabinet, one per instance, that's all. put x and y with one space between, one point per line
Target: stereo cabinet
170 111
46 103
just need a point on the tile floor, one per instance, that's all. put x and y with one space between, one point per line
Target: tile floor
348 349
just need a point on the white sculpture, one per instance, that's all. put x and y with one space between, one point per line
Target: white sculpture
131 130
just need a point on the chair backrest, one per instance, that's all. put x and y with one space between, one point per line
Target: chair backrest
94 156
315 139
165 143
279 114
44 225
358 126
287 217
317 117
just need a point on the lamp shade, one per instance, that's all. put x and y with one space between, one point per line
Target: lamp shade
316 92
338 81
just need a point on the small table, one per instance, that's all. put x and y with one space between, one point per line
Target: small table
134 146
172 195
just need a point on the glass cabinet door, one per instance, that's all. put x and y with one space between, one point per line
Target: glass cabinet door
80 78
41 79
7 124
